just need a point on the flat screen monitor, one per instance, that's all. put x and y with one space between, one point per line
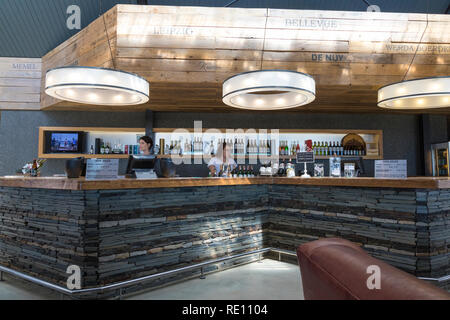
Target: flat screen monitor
359 164
63 142
140 162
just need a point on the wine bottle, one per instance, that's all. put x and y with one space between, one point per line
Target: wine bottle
34 168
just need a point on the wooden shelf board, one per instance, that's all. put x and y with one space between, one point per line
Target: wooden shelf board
223 130
93 129
167 156
87 156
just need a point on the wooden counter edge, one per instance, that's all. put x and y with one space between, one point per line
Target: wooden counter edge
82 184
41 183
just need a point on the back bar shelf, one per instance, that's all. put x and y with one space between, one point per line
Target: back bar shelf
280 142
114 136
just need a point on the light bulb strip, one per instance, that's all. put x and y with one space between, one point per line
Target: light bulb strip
268 90
93 85
270 87
423 93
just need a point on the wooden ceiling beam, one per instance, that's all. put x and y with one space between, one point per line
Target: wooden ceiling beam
187 52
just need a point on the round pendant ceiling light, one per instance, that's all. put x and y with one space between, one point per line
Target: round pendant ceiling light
269 90
423 93
92 85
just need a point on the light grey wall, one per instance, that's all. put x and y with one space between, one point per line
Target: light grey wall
19 131
19 134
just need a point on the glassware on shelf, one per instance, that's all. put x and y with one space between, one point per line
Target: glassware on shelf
349 170
319 170
335 167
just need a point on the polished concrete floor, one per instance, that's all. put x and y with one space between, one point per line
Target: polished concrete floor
16 289
267 280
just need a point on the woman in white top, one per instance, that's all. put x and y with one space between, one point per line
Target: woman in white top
223 157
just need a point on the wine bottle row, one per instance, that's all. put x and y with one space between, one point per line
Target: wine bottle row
236 147
236 172
247 147
336 148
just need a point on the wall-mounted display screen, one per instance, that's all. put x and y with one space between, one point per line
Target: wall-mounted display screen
63 142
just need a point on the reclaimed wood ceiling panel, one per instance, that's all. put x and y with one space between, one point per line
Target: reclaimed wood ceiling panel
20 80
186 53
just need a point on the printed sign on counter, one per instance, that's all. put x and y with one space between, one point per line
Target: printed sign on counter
306 157
395 169
102 169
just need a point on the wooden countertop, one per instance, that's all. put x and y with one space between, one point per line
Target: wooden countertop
62 183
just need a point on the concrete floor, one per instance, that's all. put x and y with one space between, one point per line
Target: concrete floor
268 280
17 289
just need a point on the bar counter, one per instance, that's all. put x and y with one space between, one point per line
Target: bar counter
82 184
122 229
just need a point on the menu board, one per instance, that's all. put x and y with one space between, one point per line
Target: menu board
102 169
305 157
395 169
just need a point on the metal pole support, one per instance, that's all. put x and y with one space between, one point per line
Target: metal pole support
202 275
260 256
279 256
1 276
120 293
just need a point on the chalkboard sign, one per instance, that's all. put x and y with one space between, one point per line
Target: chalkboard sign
305 157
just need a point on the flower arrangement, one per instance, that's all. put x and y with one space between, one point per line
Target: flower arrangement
26 169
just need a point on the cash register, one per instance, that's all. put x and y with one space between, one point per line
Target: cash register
141 167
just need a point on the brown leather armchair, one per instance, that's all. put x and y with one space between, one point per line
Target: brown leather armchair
336 269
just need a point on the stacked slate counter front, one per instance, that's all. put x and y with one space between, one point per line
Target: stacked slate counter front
124 229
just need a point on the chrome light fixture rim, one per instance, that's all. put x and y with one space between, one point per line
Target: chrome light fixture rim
130 85
286 90
427 98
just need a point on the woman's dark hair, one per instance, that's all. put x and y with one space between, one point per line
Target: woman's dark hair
147 140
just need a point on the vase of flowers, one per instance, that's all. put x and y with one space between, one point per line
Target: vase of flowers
27 168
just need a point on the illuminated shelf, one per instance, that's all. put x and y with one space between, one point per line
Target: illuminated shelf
87 156
293 157
93 130
373 138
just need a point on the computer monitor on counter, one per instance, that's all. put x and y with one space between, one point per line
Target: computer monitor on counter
140 163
